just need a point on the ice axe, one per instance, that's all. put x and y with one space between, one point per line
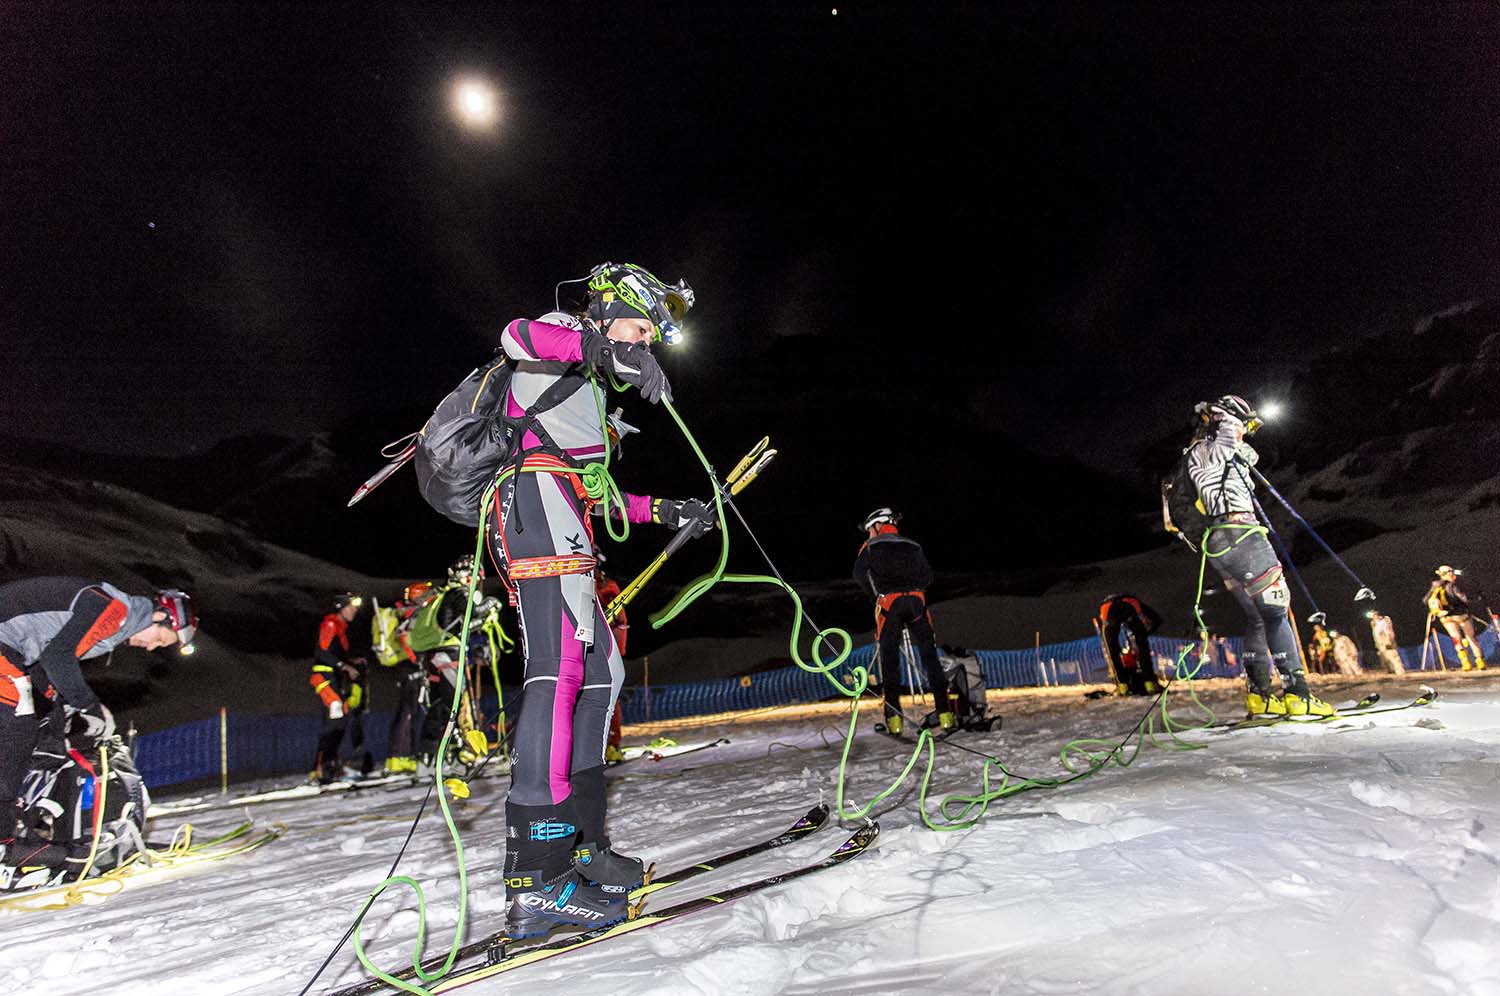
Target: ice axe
749 467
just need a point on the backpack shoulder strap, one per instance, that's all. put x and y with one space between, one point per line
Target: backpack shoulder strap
559 391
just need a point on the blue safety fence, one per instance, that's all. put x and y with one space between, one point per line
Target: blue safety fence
1076 662
256 746
261 746
1440 644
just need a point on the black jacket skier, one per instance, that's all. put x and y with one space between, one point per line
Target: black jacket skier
894 571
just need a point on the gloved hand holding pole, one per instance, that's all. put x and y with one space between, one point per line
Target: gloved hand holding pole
743 473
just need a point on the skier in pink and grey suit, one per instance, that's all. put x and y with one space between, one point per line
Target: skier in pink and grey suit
559 868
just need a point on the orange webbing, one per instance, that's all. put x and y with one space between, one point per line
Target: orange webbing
886 601
548 462
529 568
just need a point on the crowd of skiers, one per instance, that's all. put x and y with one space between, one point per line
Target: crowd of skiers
526 436
418 635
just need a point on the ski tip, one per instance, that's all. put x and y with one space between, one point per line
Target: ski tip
868 833
860 839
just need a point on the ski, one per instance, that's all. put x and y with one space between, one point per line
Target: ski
55 893
1429 695
198 804
502 961
1271 719
306 790
810 822
1367 706
651 752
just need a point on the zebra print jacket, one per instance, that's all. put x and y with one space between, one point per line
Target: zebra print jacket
1218 464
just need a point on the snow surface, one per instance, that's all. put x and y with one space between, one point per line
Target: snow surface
1361 856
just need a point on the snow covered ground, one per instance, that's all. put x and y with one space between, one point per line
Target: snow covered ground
1361 856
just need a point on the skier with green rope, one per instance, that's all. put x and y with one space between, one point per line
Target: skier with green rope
1235 543
559 867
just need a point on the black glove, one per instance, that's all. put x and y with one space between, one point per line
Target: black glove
691 514
634 364
597 350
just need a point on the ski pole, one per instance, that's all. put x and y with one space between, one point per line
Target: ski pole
1318 615
1364 593
617 605
743 473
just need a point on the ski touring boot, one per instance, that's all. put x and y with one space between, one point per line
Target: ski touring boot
536 906
944 722
1308 705
1299 699
543 888
1267 704
599 864
31 865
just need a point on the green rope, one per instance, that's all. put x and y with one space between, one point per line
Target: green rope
448 820
1081 758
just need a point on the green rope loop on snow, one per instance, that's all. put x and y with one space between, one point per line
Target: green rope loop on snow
1081 758
448 820
972 808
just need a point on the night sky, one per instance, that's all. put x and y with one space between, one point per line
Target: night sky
218 219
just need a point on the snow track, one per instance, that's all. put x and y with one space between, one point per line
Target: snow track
1357 856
